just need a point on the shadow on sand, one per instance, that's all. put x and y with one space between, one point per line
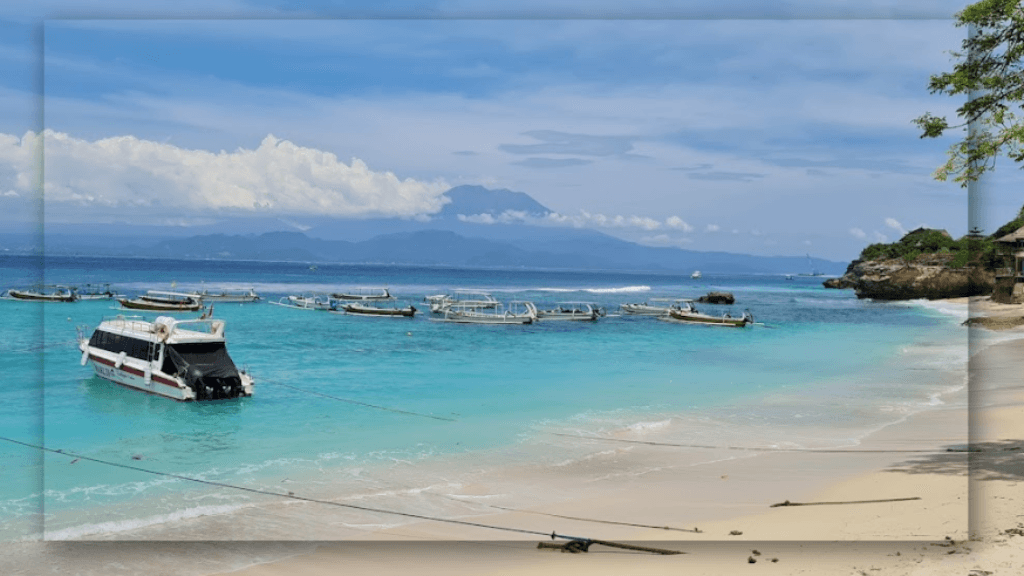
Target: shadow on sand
1002 460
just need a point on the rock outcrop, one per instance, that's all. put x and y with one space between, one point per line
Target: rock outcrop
717 298
927 276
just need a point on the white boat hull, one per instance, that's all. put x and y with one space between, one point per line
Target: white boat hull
485 319
132 374
643 310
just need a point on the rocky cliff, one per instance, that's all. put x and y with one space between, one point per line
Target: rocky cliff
927 276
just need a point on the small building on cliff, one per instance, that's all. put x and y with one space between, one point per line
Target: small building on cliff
1013 245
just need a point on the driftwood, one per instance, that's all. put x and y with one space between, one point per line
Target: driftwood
788 503
579 545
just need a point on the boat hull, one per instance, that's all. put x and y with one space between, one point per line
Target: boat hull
486 319
566 317
643 310
36 297
387 312
134 377
159 306
708 320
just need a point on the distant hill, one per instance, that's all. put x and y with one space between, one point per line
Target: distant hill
442 239
441 247
472 200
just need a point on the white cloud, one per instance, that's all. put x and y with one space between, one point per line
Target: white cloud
879 237
11 194
712 228
858 233
678 223
127 172
895 225
644 223
477 218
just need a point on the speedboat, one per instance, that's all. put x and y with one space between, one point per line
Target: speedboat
690 315
462 298
517 313
310 301
651 307
571 311
363 294
361 309
160 301
696 274
180 359
42 293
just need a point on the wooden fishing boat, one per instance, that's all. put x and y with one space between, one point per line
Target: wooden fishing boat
41 293
363 294
95 292
690 315
571 311
361 309
160 301
462 298
652 307
227 296
517 313
311 301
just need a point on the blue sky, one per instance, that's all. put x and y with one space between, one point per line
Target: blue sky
707 127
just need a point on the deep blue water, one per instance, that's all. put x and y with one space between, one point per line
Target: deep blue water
817 357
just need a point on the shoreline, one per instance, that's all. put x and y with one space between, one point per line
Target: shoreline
967 536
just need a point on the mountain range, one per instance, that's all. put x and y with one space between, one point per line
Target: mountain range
448 238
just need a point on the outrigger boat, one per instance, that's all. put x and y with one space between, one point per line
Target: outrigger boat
42 293
95 292
227 296
690 315
462 298
517 313
159 301
307 302
652 307
363 294
571 311
361 309
180 359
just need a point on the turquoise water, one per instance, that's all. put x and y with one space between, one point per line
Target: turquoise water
819 371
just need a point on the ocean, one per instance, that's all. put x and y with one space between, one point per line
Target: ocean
422 411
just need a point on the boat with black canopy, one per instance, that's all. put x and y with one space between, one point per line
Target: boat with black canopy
181 359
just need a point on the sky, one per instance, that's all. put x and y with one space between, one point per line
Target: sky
779 130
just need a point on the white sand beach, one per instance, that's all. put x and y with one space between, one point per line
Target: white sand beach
966 518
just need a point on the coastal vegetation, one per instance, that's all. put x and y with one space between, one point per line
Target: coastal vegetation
928 263
990 73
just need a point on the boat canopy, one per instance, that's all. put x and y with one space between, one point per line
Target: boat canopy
205 367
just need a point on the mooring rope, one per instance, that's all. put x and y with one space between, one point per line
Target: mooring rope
357 402
765 449
552 535
278 494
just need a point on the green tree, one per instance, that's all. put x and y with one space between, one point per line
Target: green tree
989 72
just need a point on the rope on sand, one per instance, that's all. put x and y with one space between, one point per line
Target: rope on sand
553 535
788 503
